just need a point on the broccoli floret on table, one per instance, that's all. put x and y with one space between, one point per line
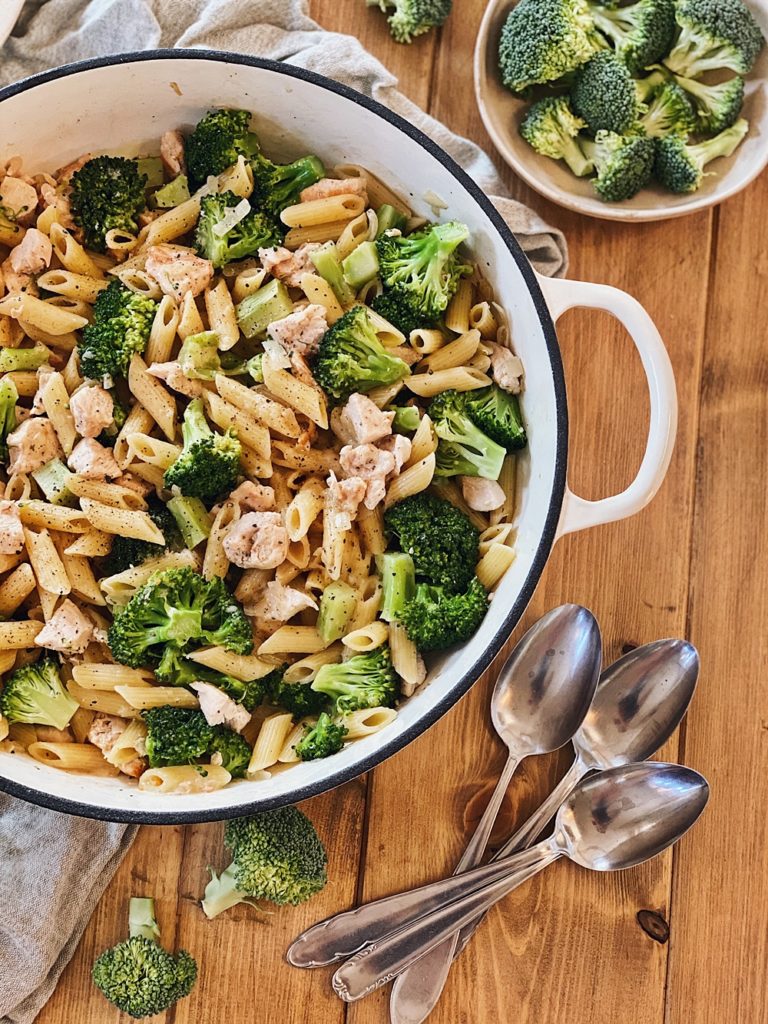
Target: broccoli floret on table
180 607
551 127
277 856
604 94
216 143
254 231
642 32
364 681
716 107
434 618
352 359
35 695
9 396
179 736
298 698
138 975
680 165
424 266
440 539
543 40
322 739
463 449
411 18
209 463
108 193
497 413
127 552
395 306
276 186
714 34
122 320
624 164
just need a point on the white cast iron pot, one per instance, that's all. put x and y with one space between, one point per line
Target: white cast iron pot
124 104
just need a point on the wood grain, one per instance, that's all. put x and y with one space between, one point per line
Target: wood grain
569 945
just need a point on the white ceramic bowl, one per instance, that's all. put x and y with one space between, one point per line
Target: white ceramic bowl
125 103
502 113
9 14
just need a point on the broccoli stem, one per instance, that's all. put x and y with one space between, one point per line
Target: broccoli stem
221 893
337 605
141 919
406 419
22 358
192 519
172 194
389 219
724 144
328 266
398 579
256 312
52 479
362 265
152 169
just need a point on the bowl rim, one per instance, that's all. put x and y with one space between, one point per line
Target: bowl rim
570 200
550 521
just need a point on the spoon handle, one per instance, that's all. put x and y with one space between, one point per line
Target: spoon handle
385 959
417 990
340 936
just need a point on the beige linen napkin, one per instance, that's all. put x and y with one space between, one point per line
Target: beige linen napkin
55 867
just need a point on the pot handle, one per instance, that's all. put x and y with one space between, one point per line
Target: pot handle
578 513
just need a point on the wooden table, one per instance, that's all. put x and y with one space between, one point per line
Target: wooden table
568 945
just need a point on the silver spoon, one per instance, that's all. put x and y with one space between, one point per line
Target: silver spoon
541 696
611 821
639 702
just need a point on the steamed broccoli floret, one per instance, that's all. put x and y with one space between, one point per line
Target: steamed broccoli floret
276 186
463 449
277 856
714 34
497 413
604 94
716 106
107 194
364 681
435 619
642 32
234 749
542 40
122 320
209 463
669 111
139 976
34 694
440 539
552 128
127 552
298 698
680 166
624 164
216 143
177 736
180 607
424 266
9 396
352 359
174 669
256 230
322 739
411 18
395 306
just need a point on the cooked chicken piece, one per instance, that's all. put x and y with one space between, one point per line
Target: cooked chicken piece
370 464
11 530
93 409
20 198
93 461
135 483
219 709
68 630
147 216
279 603
480 494
335 187
32 444
400 446
172 152
65 173
289 267
13 282
364 421
258 540
343 499
49 196
173 375
254 497
406 353
507 369
104 731
300 332
178 270
33 253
